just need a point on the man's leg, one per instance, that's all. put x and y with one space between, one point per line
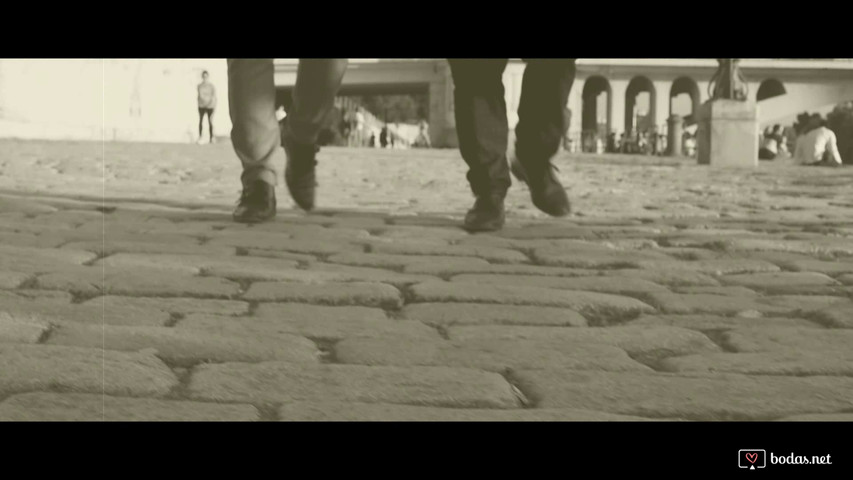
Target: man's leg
482 130
210 123
317 83
541 123
200 123
255 135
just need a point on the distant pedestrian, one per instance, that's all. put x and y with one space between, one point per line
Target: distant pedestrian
819 146
206 105
383 137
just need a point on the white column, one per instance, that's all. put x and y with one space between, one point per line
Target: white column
576 106
662 90
617 106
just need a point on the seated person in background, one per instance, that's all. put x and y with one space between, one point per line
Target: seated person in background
819 146
769 145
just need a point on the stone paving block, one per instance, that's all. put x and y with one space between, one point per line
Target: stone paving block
821 266
139 281
717 322
725 291
35 294
769 281
296 257
677 303
347 273
233 266
819 417
586 303
722 266
495 355
24 205
636 340
327 411
492 254
37 260
548 231
449 268
276 242
581 255
841 247
805 303
727 397
846 279
82 407
311 321
605 284
21 328
10 280
754 340
89 370
281 382
379 260
147 247
188 347
837 315
673 278
448 314
182 306
792 363
355 293
29 240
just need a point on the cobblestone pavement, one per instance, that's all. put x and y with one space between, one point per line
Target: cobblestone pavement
676 292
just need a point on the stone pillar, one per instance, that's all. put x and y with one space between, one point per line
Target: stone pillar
617 106
728 133
675 131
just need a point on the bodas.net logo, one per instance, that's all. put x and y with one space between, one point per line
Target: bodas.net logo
752 458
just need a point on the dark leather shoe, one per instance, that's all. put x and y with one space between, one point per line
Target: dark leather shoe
546 191
487 215
256 204
299 175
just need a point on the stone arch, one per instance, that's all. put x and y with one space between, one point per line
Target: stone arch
684 86
636 87
593 88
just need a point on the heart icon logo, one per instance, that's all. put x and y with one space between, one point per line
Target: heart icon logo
752 457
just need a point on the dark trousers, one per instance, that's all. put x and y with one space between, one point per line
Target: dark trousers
481 121
201 113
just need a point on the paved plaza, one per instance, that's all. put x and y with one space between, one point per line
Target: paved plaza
675 292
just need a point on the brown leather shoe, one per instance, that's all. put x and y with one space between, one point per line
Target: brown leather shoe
546 191
488 214
256 204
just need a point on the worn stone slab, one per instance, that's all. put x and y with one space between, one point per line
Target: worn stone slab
38 260
182 306
380 260
647 341
822 266
605 284
194 264
783 339
138 281
716 267
585 255
725 291
449 314
726 397
21 239
10 280
354 293
819 417
81 407
347 273
673 278
282 382
846 279
91 370
678 303
837 315
492 254
182 346
296 257
793 363
586 303
92 312
188 246
495 355
279 242
312 321
21 328
717 322
825 246
377 412
449 268
769 281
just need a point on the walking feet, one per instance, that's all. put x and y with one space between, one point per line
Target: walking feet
546 191
299 174
487 215
257 203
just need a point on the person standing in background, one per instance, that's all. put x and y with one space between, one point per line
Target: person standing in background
206 105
